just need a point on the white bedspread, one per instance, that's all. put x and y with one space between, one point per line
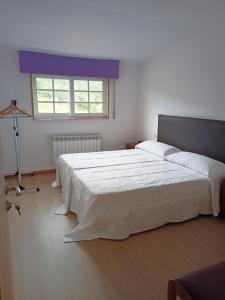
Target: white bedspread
114 202
67 163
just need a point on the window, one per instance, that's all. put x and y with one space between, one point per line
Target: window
69 97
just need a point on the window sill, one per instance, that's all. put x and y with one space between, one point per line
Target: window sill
72 117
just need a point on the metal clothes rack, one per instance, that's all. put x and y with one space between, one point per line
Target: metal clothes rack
13 111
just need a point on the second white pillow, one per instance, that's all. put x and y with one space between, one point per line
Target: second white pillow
157 148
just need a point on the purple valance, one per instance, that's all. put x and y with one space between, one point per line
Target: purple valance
43 63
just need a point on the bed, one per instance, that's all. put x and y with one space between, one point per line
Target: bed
118 193
114 202
68 163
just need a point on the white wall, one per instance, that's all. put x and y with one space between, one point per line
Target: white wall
35 146
186 80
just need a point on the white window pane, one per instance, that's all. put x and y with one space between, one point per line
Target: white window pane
62 96
44 83
80 85
62 108
46 96
44 108
61 84
53 95
81 96
95 97
81 108
95 85
96 108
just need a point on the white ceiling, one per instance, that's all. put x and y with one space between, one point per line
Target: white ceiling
124 29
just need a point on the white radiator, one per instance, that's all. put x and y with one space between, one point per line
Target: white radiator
63 144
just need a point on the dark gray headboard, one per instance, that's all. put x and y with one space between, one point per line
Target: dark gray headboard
201 136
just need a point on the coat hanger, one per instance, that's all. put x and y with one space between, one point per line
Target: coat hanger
8 111
13 111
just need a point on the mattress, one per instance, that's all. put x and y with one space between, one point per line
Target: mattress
115 201
68 163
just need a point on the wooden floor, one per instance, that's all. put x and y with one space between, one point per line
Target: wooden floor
137 268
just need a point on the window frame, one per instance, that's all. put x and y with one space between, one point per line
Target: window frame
72 114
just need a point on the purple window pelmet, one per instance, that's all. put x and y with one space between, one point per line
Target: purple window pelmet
43 63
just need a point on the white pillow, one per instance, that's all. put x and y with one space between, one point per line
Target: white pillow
197 162
211 168
157 148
